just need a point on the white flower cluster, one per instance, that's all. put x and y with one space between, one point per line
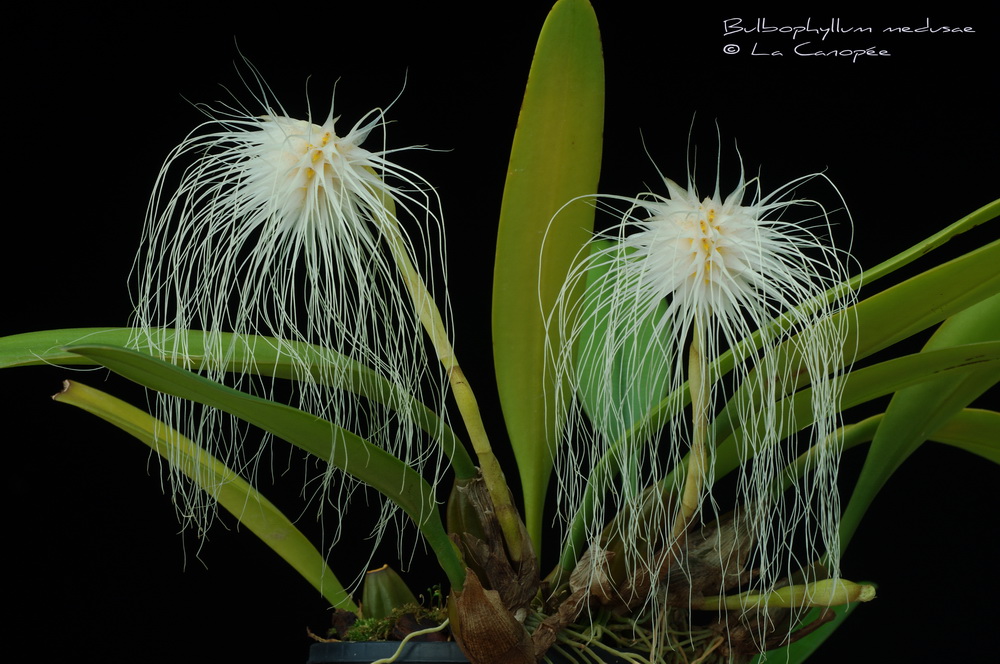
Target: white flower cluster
288 229
722 291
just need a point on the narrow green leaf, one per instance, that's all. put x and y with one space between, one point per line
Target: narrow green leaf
976 431
324 440
848 436
873 382
896 314
555 158
233 492
984 214
926 299
916 412
799 651
973 430
46 346
267 356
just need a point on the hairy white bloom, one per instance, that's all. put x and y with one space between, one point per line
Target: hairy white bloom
685 271
288 228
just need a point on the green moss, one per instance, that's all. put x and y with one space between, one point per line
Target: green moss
397 624
370 629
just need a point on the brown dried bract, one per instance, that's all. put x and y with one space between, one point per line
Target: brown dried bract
485 629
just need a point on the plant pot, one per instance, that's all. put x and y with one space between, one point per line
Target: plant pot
366 652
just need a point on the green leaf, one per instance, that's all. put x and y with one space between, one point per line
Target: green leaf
555 158
973 430
637 377
267 356
880 321
46 346
896 314
872 382
876 323
324 440
916 412
924 300
233 492
986 213
799 651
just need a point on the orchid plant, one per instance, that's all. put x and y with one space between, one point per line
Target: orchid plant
681 380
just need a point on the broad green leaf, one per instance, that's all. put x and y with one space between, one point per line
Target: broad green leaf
637 377
233 492
916 412
555 159
324 440
268 356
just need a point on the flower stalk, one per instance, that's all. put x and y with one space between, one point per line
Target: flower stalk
697 469
433 323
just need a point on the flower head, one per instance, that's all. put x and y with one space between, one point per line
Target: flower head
699 316
715 256
290 229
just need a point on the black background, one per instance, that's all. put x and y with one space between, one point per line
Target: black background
94 565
